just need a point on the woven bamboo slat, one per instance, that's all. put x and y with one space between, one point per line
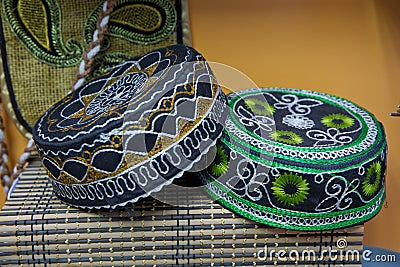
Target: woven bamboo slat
37 229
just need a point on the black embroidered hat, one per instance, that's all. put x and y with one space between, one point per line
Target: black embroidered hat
299 160
132 131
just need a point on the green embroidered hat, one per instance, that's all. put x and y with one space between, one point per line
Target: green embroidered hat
133 130
299 160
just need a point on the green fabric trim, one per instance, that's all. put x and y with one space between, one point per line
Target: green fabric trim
278 212
294 213
356 142
289 167
305 161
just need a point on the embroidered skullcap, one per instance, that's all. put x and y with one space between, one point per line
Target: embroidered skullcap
133 130
299 160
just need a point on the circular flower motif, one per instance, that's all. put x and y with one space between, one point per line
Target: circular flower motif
337 121
298 122
287 137
221 162
371 183
290 189
118 93
259 107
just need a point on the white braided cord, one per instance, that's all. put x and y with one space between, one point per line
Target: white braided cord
83 70
90 54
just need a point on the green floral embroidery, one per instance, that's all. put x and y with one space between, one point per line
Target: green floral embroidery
221 162
371 183
259 107
290 189
338 121
287 137
141 22
37 25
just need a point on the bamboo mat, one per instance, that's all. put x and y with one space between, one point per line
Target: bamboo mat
36 229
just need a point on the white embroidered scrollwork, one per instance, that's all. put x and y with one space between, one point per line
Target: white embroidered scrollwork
247 182
298 108
295 105
338 191
295 220
255 122
332 137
